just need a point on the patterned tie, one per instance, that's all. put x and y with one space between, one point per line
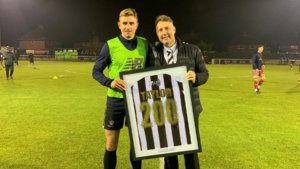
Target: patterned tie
169 57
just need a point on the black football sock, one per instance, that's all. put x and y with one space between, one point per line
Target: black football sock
110 159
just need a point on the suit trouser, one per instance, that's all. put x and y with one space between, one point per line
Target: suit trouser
191 160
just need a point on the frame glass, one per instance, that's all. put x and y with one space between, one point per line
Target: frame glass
159 113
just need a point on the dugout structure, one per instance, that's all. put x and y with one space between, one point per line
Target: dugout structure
230 61
66 54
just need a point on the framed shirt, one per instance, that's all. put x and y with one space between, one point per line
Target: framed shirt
160 112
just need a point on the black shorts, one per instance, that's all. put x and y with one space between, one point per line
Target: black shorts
114 115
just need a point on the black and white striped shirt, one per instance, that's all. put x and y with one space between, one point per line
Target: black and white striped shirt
161 115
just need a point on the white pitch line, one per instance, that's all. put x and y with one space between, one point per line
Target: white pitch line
69 71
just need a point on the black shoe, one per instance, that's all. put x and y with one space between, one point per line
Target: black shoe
11 77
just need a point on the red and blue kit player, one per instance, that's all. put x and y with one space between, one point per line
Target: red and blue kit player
258 69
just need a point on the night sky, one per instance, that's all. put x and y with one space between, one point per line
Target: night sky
218 22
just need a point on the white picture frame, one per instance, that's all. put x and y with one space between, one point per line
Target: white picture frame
159 113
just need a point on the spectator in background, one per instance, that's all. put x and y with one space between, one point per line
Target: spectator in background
283 60
31 58
8 61
79 50
17 57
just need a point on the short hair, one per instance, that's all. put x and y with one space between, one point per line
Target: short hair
128 12
163 18
260 45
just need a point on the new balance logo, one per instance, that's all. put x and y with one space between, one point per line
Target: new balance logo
133 63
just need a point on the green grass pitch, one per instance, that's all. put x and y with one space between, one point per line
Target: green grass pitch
50 123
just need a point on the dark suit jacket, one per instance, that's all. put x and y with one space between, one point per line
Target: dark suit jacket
190 55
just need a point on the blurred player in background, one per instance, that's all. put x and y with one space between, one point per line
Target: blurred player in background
17 54
31 58
8 61
292 62
258 69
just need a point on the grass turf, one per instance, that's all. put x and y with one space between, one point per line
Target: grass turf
54 124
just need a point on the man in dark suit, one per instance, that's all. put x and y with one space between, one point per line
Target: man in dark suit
170 50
